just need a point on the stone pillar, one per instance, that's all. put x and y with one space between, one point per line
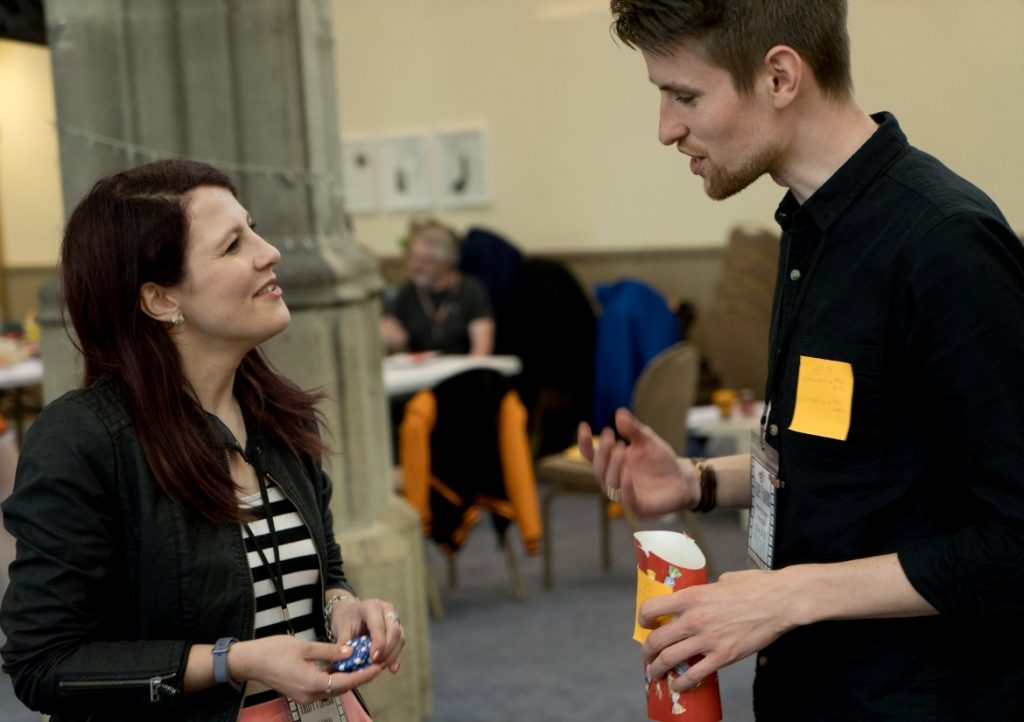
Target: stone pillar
249 87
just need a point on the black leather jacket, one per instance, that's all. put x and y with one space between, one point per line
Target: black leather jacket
114 581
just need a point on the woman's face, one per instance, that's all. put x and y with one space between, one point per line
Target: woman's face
229 296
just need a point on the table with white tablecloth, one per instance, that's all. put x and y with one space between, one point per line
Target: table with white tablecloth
725 435
408 373
17 379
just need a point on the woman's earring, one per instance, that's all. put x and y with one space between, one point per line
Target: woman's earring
177 319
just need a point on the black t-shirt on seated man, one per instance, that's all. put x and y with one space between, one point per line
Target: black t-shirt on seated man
440 321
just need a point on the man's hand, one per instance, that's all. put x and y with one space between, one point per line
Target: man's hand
746 611
643 470
722 622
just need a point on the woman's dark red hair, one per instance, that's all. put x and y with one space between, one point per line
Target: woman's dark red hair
130 229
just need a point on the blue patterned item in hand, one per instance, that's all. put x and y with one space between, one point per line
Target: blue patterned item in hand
359 658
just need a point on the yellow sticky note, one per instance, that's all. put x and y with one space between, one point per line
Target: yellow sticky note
824 398
647 587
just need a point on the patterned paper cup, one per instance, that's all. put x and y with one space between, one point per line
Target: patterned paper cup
668 561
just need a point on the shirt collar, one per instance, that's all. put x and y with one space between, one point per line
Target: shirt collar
832 199
223 438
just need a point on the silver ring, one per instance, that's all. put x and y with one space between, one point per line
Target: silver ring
613 494
330 683
393 617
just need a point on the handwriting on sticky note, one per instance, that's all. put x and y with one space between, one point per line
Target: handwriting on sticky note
647 587
824 398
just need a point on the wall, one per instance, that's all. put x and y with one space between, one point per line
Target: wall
572 121
951 72
31 210
680 273
574 155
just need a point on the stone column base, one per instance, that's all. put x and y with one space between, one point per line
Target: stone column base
386 560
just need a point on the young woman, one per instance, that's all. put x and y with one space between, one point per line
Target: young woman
176 554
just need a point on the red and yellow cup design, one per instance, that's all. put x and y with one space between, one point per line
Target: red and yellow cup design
667 561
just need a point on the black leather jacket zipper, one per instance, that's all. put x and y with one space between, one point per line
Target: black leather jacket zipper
155 684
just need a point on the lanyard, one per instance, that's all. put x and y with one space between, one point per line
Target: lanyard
437 314
274 572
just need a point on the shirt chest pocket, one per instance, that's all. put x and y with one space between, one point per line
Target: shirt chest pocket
834 415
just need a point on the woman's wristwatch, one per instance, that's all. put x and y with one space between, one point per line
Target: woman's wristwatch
220 662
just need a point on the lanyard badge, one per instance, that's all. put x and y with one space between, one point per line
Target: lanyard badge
764 494
282 709
324 710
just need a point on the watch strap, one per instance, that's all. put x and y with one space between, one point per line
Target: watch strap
220 662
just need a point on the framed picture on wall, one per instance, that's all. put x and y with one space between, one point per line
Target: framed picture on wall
404 179
462 168
359 175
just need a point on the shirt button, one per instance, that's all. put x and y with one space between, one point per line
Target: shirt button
773 429
794 275
762 661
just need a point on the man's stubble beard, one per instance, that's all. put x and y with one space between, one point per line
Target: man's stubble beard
721 184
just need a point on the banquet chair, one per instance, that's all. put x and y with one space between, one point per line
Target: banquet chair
664 393
463 449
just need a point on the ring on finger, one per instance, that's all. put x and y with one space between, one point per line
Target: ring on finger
613 494
393 617
330 684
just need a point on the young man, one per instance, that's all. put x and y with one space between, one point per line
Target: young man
888 484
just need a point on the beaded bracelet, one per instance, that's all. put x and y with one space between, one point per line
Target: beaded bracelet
329 609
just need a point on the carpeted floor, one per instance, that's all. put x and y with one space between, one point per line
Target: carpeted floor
564 654
11 710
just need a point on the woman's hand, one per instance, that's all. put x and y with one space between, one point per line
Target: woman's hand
297 668
377 618
644 472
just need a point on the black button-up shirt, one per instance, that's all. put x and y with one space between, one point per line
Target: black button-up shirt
912 276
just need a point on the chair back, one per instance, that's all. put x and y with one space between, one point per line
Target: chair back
494 260
463 446
735 328
665 391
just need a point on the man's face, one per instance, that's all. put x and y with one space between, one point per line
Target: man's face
725 134
426 269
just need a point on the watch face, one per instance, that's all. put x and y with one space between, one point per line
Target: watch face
223 644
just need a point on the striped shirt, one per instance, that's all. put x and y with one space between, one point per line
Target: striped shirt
299 565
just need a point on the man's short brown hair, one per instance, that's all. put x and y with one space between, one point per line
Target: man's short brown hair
737 34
